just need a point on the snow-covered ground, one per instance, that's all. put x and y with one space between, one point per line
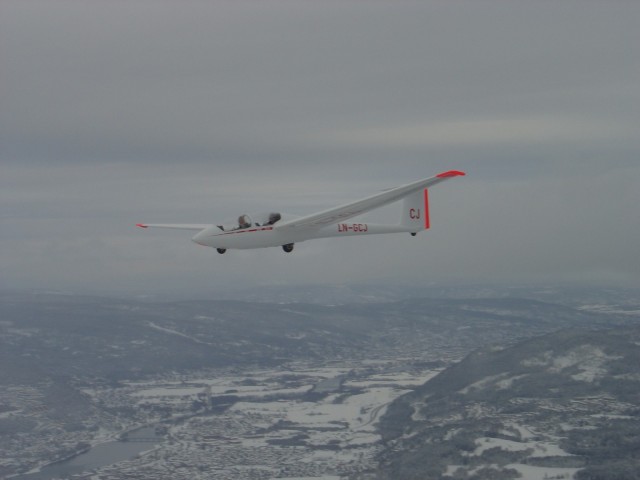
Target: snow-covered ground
540 449
529 472
299 422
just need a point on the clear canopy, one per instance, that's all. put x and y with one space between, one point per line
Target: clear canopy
254 220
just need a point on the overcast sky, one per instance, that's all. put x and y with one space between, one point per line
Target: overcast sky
118 112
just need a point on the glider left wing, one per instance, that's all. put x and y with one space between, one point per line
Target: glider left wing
353 209
177 226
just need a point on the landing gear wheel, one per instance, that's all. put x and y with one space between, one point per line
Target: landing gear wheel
221 250
413 234
288 247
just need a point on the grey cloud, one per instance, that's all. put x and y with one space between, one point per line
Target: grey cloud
118 112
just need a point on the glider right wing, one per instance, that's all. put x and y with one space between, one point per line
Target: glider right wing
343 212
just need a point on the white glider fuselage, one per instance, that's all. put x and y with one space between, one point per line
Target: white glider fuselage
272 230
269 236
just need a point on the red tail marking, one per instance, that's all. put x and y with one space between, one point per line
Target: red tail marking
141 225
427 223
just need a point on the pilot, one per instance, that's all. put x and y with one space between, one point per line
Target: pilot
273 218
243 222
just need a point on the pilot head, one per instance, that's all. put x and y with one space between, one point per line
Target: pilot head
273 218
243 221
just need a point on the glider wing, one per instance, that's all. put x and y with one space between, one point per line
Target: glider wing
177 226
344 212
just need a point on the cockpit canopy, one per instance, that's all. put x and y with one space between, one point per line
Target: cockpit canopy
247 221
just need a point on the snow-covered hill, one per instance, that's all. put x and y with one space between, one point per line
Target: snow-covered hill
555 406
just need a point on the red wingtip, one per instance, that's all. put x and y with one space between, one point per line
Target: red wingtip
450 173
141 225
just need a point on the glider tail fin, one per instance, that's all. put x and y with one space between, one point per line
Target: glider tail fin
415 211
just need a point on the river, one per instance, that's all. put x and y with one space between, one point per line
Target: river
98 456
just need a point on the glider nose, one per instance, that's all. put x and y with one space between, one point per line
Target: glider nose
199 238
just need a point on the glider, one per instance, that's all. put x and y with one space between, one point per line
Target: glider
276 230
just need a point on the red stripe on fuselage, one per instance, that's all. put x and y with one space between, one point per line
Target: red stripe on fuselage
244 231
